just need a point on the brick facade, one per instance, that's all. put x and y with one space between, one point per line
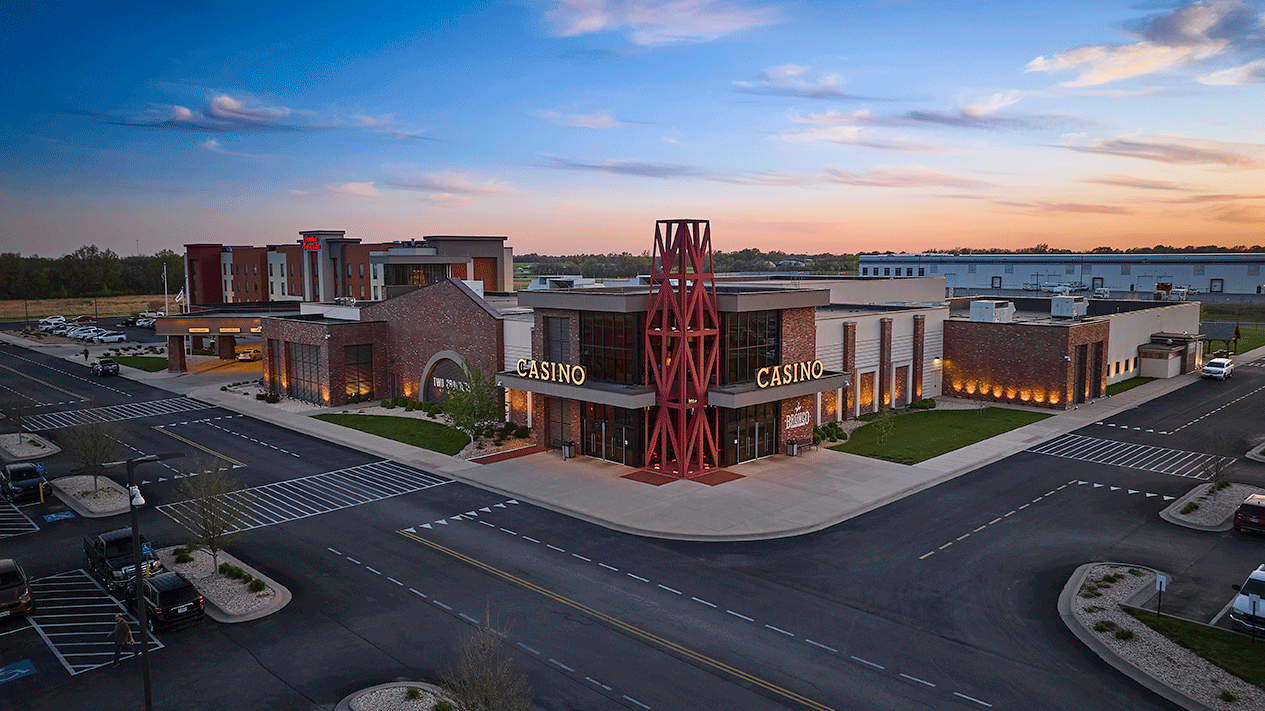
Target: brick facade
1026 363
920 337
799 335
799 433
850 366
884 394
332 373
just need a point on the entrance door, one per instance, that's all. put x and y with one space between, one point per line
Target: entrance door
752 431
1098 283
1078 368
557 422
996 282
1095 371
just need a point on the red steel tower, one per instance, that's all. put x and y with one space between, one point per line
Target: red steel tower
682 349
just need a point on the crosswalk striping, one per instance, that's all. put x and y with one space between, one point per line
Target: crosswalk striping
1174 462
13 522
111 413
74 615
293 499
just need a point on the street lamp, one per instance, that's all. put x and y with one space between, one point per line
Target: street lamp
135 500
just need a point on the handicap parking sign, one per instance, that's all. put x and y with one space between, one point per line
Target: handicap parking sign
16 671
60 515
39 467
146 549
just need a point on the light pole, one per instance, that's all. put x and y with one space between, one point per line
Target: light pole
135 500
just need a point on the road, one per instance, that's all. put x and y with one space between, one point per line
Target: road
945 599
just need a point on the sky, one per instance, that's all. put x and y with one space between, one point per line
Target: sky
572 125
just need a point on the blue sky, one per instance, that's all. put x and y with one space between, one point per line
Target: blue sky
571 125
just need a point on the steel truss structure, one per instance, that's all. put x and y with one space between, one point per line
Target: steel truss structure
682 350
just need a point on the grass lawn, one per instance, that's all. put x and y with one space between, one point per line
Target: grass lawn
17 310
1234 653
149 364
918 436
419 433
1123 385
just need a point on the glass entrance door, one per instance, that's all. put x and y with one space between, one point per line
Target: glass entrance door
750 433
612 433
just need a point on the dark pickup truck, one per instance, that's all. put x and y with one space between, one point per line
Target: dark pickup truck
23 482
109 557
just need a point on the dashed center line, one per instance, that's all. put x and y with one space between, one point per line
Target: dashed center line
560 664
529 649
735 614
867 662
914 678
695 599
638 577
665 587
778 629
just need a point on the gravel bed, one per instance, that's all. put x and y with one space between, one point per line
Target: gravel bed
286 404
108 496
228 594
392 699
24 445
1152 652
1214 510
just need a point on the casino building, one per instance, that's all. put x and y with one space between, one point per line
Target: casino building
680 371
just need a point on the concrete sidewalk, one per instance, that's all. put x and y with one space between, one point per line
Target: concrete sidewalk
776 497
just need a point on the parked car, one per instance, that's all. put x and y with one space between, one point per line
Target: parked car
48 323
249 354
59 329
89 333
105 366
83 319
170 601
1102 293
129 321
1242 615
109 557
145 323
1219 368
111 337
151 314
15 590
1250 515
24 482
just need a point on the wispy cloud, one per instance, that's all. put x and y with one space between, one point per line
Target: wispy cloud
598 119
856 136
446 200
1196 199
1239 214
1250 73
449 182
912 176
225 114
1128 181
658 22
383 120
978 116
215 146
1077 207
1183 36
1178 149
675 171
299 195
358 190
797 80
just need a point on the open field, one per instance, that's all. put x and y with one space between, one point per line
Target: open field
17 310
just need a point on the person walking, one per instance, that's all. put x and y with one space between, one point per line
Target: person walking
122 637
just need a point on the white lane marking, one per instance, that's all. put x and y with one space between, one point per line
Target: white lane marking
665 587
442 605
638 577
529 538
595 681
914 678
972 698
777 629
629 698
468 618
550 545
485 523
395 581
748 619
353 560
702 601
371 570
509 531
609 567
415 592
331 550
587 560
564 666
819 644
529 649
864 661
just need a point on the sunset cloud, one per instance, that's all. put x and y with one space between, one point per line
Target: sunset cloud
1250 73
1075 207
1128 181
446 200
796 80
358 190
913 176
449 182
1180 150
657 22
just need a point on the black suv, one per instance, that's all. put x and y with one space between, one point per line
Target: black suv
105 366
22 482
170 601
109 557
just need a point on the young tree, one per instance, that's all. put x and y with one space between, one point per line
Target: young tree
1216 468
484 677
885 424
15 408
474 403
92 445
214 505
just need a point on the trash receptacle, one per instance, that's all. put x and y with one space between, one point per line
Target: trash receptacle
792 448
568 450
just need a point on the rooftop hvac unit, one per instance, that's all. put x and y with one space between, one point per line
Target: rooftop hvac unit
1068 307
988 311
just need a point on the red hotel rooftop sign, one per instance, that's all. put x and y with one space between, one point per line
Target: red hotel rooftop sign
311 243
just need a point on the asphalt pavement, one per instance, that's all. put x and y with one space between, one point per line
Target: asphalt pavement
944 599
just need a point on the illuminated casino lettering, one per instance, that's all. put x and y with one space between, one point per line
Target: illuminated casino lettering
551 372
775 375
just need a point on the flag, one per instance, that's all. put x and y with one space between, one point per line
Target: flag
180 296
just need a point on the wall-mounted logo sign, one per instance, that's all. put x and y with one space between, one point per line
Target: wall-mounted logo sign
797 419
553 372
789 373
311 243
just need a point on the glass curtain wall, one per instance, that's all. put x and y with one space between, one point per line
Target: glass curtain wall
358 372
752 340
750 433
303 367
613 433
610 347
413 274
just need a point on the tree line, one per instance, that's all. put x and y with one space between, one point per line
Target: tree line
88 271
626 264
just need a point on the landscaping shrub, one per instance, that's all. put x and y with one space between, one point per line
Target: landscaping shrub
1104 626
274 398
1109 578
256 585
409 407
400 401
522 432
834 438
180 550
387 404
1222 484
1124 634
1226 696
260 396
232 571
224 568
817 437
224 388
413 693
868 416
443 706
1134 571
183 556
248 578
1189 507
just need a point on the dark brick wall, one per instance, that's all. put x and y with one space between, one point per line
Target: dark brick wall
884 363
278 332
485 271
799 433
203 264
538 333
799 335
829 406
849 366
250 270
175 354
920 337
226 347
1014 362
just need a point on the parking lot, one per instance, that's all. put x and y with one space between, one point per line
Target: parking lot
74 616
13 522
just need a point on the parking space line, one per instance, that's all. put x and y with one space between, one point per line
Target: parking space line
73 631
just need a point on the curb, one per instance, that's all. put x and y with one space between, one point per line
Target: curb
345 704
1168 515
1257 454
282 598
49 450
74 504
1104 652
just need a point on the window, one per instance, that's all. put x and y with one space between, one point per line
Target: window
970 269
358 372
272 289
348 270
415 274
291 270
1135 363
269 268
865 271
302 364
887 271
751 340
224 268
1010 269
1117 367
375 272
362 272
922 271
1216 286
610 346
283 288
375 293
1197 269
909 271
362 291
254 269
557 339
935 268
1124 269
226 285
